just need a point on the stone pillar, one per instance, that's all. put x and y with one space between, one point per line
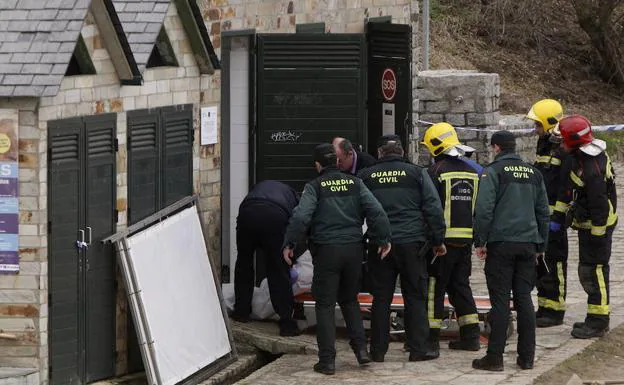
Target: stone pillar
463 99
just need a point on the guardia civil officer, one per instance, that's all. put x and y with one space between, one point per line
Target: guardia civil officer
552 271
407 194
457 183
333 208
590 202
510 232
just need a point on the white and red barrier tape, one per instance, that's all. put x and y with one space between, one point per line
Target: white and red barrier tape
612 127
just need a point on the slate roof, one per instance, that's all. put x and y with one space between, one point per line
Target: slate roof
37 39
141 21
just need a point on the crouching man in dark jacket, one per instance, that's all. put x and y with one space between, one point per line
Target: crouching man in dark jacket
261 224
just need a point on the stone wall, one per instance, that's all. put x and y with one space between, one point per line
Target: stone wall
467 99
23 297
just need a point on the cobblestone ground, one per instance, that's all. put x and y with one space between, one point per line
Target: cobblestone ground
554 345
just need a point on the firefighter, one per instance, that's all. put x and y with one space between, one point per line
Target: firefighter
552 270
333 208
510 232
590 204
413 207
457 183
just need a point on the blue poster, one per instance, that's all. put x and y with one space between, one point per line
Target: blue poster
9 196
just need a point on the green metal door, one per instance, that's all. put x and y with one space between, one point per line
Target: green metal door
310 89
81 206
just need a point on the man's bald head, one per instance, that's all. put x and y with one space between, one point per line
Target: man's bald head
344 152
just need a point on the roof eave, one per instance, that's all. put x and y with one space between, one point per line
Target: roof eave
196 30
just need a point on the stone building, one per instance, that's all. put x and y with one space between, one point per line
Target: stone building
99 118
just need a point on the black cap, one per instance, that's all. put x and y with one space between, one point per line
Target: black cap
382 141
325 154
505 140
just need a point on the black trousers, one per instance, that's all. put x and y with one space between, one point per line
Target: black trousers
552 282
594 256
511 266
337 270
404 259
450 274
262 226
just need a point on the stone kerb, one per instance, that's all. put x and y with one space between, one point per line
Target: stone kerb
463 98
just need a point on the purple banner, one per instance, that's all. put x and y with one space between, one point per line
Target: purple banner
9 194
8 188
9 261
9 223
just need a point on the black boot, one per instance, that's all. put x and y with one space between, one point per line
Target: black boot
472 345
362 356
578 325
327 368
489 362
240 318
433 344
289 328
586 332
430 355
377 357
546 322
524 364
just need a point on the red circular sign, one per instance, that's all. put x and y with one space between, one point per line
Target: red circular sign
388 84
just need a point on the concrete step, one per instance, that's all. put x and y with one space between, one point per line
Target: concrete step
19 376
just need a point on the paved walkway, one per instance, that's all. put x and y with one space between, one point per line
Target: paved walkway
554 345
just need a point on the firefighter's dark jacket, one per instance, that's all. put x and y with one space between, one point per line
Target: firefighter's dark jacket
549 159
593 180
457 184
407 194
512 205
333 207
274 193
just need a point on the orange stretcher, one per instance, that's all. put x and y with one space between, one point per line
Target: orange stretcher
306 300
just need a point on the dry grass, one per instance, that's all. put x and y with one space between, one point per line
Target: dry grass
535 46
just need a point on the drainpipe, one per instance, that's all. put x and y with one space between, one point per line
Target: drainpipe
426 33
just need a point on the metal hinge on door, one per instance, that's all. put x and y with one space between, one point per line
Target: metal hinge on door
116 144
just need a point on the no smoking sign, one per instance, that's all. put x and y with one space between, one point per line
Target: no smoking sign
388 84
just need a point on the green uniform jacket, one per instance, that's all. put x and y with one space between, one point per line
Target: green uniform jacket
512 204
409 197
332 209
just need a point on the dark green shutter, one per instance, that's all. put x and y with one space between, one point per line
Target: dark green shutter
64 138
101 186
177 153
143 164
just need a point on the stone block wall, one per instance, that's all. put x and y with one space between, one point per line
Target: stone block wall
463 99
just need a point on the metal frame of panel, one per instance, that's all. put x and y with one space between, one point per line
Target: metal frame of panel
138 310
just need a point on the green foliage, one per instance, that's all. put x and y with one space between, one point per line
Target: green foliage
615 142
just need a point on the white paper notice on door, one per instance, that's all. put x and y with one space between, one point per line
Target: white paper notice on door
387 119
209 125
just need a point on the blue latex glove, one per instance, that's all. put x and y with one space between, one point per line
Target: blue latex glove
554 226
294 275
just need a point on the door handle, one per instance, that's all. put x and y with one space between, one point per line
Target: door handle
90 234
80 242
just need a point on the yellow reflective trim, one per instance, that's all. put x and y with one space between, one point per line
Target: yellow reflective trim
468 319
548 159
609 168
459 232
459 175
447 204
562 207
575 178
435 323
550 304
431 303
598 309
599 231
604 301
561 277
587 225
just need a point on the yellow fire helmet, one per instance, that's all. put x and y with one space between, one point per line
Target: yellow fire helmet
547 112
442 138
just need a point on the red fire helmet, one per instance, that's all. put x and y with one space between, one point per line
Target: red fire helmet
576 131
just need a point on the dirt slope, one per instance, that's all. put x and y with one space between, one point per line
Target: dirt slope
535 46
